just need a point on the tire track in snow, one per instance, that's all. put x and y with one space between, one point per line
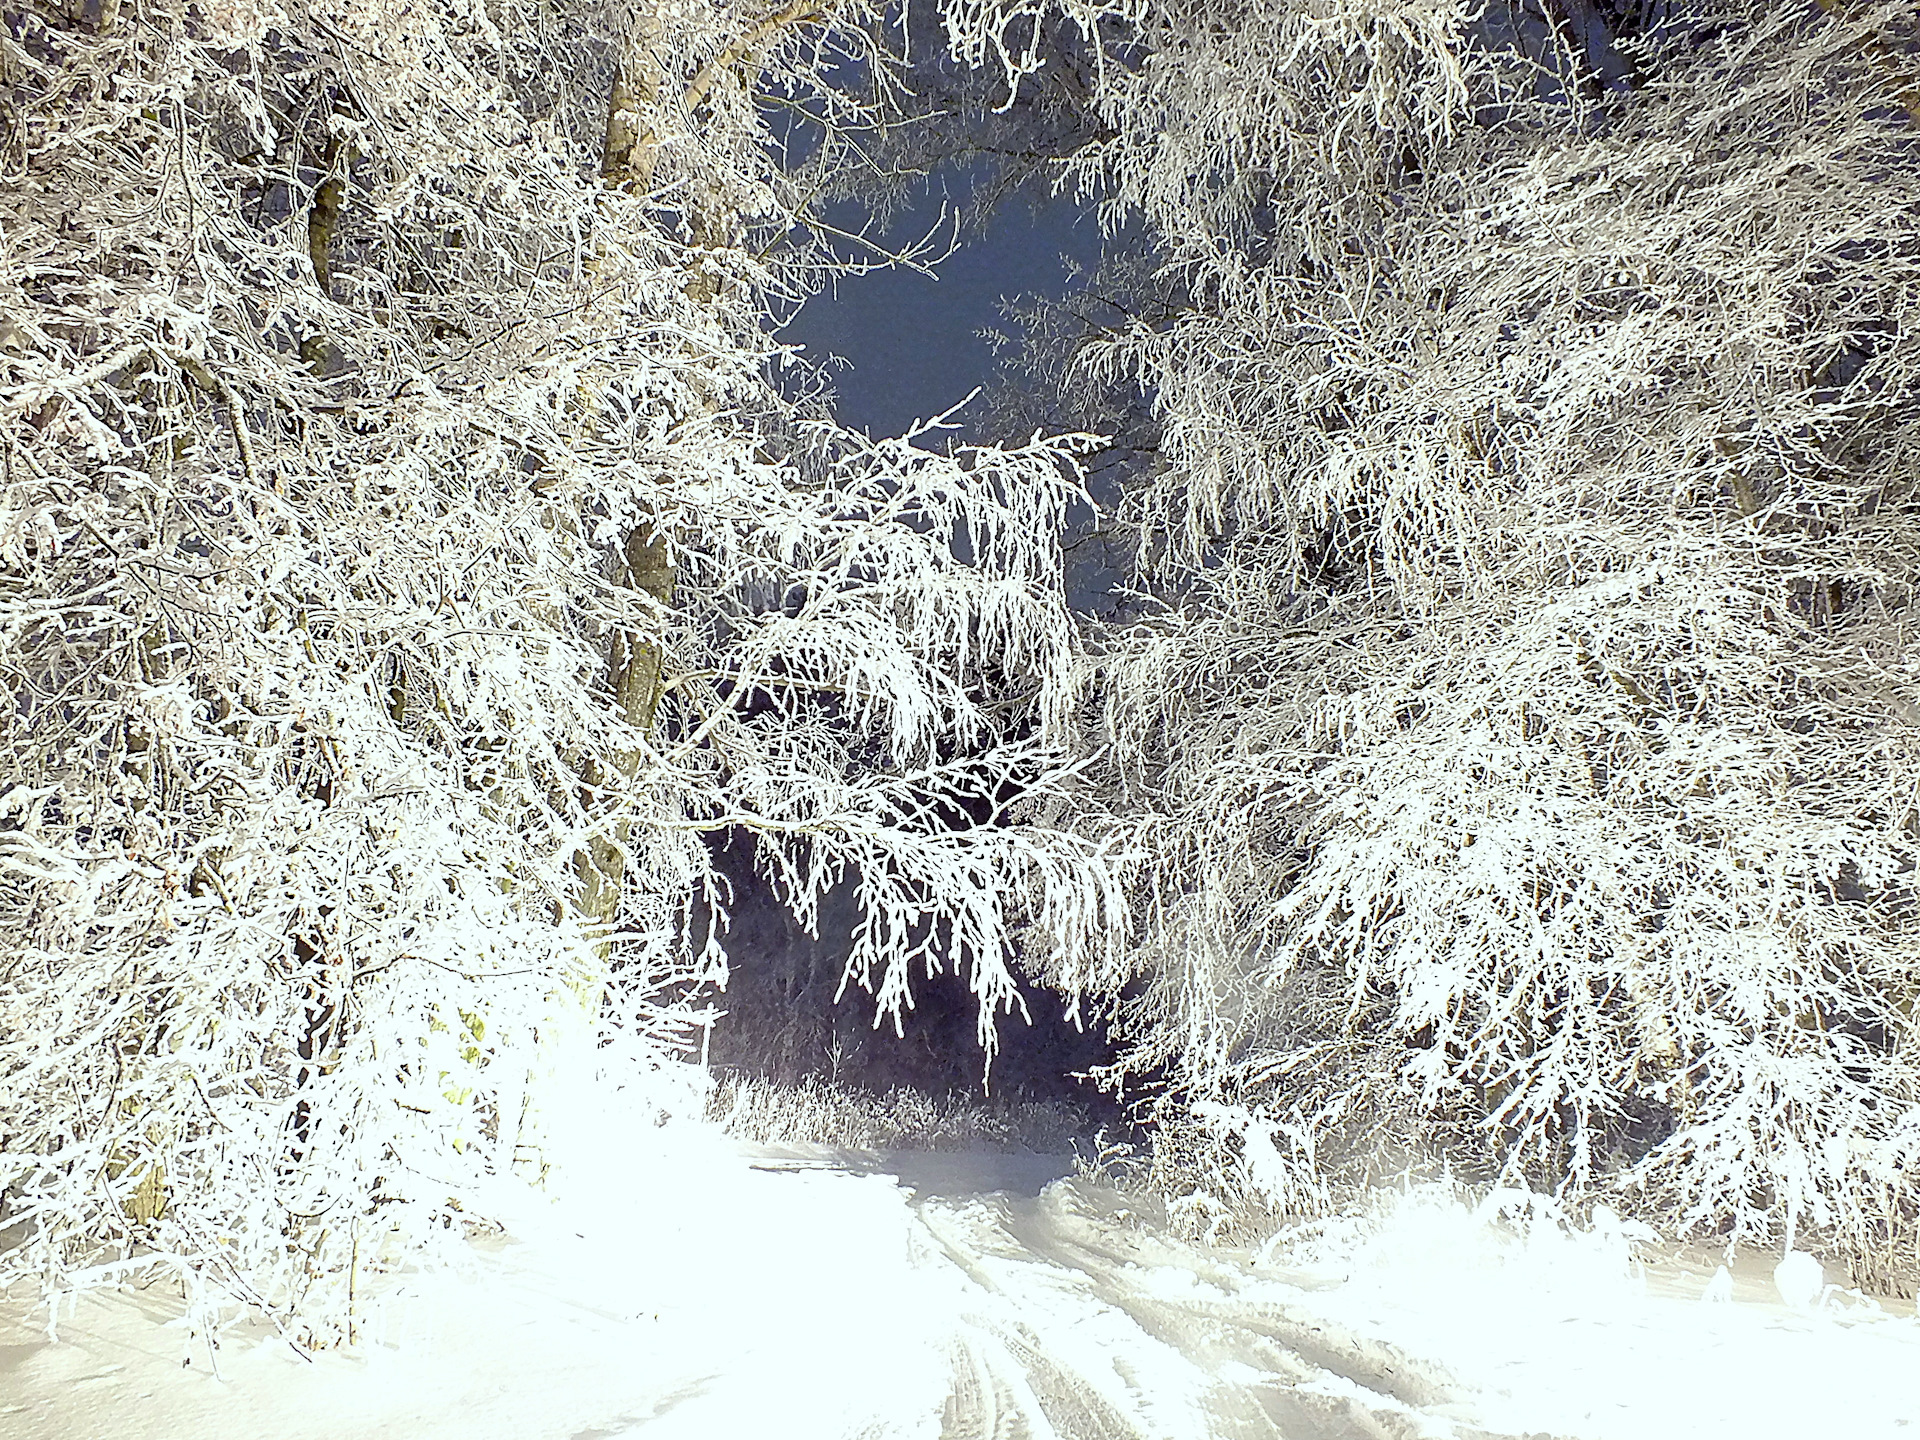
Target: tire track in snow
1075 1328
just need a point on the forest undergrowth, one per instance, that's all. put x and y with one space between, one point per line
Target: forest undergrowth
821 1111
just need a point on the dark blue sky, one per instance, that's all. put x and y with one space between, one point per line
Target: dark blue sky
914 349
911 338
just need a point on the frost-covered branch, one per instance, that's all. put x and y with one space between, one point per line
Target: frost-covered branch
395 513
1527 754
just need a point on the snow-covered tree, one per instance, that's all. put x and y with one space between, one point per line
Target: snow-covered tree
405 557
1527 753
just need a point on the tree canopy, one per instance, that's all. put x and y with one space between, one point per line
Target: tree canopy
409 551
1521 760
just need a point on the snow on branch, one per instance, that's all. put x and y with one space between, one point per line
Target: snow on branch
404 559
1526 750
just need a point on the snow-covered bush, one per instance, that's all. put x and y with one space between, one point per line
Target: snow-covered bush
818 1111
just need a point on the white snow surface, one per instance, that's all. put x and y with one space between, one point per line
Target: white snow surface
692 1287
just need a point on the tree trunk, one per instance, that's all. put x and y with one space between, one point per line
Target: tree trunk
634 669
627 154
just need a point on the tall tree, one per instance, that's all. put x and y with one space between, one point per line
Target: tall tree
1526 752
404 558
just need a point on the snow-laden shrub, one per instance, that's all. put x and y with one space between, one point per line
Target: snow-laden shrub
817 1111
1437 1243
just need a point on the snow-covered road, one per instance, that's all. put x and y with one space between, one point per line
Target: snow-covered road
1076 1324
701 1292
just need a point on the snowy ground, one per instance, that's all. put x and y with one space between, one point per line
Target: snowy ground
764 1294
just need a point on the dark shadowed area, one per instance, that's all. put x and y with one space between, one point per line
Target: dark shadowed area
787 1019
906 346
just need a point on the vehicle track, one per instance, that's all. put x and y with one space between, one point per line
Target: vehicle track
1075 1327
